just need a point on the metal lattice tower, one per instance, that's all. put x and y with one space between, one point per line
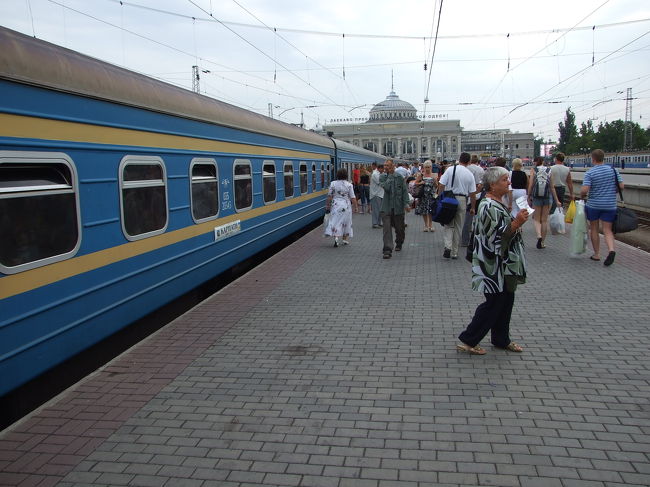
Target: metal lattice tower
627 134
195 79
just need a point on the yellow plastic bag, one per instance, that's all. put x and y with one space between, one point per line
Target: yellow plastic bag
570 213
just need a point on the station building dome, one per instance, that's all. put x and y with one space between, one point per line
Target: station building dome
393 109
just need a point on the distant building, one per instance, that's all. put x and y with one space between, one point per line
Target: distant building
395 130
498 143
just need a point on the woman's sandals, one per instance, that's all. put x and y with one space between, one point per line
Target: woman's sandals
512 347
461 347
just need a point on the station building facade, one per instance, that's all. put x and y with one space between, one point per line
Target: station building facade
394 130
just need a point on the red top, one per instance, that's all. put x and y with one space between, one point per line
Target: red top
356 175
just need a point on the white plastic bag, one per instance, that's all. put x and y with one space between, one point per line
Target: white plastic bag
556 222
578 238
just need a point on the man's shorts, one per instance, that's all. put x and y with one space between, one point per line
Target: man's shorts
596 214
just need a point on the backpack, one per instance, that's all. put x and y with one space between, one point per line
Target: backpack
541 184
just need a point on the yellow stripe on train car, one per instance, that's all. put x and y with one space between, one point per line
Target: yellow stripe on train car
20 126
14 284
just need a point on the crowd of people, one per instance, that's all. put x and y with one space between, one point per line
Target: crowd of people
493 205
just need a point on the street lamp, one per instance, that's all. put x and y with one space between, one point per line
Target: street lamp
293 108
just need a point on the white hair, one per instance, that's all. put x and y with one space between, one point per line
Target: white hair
492 175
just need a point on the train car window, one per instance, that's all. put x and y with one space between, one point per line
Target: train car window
39 210
313 177
288 179
205 189
268 181
322 175
143 194
243 184
303 178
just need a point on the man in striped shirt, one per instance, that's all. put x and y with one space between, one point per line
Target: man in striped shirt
600 183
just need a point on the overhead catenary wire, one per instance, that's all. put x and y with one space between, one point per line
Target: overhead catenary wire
575 74
528 58
262 52
190 55
387 36
433 54
308 67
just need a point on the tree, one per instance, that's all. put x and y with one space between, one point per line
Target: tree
537 146
568 141
610 136
640 137
586 142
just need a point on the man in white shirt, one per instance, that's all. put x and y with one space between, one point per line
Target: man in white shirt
402 171
376 194
561 179
460 181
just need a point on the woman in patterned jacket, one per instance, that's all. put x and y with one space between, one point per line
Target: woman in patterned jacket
498 265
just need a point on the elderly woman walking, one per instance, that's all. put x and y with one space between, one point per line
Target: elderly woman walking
498 266
340 200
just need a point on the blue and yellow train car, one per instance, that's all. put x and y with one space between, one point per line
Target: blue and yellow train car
119 193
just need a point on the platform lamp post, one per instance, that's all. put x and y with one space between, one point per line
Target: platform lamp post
293 108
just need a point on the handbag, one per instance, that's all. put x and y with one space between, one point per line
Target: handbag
556 222
626 219
418 190
469 252
446 205
578 236
570 213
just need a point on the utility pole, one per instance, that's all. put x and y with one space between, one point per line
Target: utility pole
270 110
627 133
195 79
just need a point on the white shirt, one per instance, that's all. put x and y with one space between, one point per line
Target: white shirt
559 173
375 188
402 171
477 171
464 183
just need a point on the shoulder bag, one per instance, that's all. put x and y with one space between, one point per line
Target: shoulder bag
446 205
626 219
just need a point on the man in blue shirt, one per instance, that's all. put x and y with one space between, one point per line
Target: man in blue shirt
600 183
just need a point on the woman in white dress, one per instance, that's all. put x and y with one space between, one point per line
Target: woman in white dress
340 200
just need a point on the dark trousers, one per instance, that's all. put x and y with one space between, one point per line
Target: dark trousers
560 195
467 228
492 315
390 220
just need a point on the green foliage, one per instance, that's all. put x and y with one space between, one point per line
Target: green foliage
537 145
608 137
568 140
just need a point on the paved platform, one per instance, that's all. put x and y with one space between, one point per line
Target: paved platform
332 367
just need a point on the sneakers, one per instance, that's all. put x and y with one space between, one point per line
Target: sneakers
447 253
398 248
387 255
346 242
336 242
610 258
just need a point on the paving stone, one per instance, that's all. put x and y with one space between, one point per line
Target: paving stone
314 381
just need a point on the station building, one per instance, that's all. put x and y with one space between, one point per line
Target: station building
395 130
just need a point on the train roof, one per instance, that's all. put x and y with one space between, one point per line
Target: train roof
25 59
346 146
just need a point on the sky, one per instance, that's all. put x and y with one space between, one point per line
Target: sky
505 64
